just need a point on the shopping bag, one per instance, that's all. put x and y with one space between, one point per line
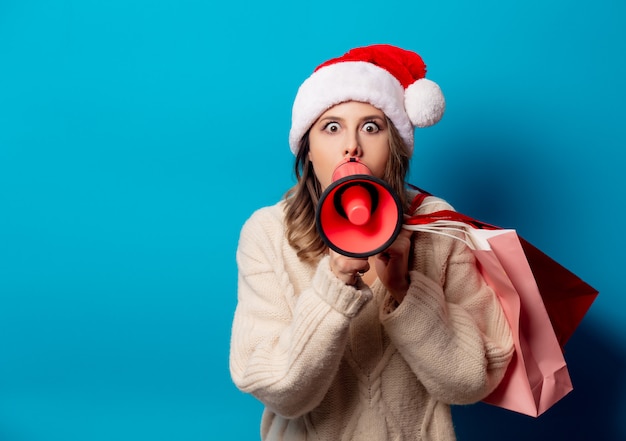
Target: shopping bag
525 281
537 377
566 296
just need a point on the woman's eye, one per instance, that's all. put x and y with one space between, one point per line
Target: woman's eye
332 127
371 127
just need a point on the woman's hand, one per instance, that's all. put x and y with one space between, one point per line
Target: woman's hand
392 265
348 269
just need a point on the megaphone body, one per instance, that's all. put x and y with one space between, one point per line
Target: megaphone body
358 215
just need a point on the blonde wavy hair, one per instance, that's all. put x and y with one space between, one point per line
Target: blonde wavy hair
302 198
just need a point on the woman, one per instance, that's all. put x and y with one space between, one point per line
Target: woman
345 348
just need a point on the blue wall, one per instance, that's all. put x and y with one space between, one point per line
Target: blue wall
136 137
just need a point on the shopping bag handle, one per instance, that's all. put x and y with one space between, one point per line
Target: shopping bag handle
440 215
448 215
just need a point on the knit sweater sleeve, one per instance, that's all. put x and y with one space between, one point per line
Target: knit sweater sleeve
450 328
287 345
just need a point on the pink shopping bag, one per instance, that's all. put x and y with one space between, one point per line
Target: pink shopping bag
538 376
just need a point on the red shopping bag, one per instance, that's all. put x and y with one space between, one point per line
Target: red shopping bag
566 296
542 300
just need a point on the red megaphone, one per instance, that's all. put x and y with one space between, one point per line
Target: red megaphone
358 215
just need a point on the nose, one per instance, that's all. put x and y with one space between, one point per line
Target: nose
353 147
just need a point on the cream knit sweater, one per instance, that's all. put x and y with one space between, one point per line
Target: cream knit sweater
334 362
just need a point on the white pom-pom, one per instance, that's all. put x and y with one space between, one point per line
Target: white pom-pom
424 103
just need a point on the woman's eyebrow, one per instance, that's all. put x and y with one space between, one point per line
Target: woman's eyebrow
373 117
363 118
331 117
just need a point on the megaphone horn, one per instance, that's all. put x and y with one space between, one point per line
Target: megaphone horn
358 215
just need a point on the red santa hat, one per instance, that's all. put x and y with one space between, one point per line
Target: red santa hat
387 77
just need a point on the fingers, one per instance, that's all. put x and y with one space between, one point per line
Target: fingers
348 269
391 263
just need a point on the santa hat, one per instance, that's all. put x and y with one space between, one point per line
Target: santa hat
387 77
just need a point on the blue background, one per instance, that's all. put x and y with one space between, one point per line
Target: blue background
137 136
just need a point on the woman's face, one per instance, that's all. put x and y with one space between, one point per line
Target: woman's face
350 129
